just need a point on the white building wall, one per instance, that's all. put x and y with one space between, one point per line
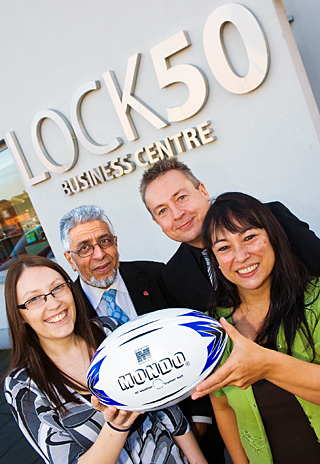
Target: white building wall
306 31
267 140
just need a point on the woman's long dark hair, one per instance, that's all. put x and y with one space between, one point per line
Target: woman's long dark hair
237 212
26 349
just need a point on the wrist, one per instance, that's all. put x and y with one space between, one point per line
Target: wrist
119 430
271 362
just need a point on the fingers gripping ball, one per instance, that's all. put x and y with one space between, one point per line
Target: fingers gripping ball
156 360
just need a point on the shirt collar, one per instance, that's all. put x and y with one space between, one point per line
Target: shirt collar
94 294
197 252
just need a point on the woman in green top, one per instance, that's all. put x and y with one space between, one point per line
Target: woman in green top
267 390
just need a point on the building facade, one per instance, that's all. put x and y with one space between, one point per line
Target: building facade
93 92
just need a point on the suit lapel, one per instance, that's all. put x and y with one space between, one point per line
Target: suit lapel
138 288
191 284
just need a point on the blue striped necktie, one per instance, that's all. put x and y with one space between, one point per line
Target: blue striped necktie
113 309
211 275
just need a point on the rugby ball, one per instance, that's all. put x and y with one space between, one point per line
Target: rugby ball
156 360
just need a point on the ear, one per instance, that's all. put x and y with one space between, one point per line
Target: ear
22 317
68 257
155 220
203 190
116 241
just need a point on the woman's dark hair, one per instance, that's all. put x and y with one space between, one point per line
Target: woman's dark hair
26 349
237 212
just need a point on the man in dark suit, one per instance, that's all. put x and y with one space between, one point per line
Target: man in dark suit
178 203
91 249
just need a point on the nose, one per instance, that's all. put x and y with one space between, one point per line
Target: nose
241 253
52 302
98 252
177 213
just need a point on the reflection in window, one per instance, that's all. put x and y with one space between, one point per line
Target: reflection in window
20 228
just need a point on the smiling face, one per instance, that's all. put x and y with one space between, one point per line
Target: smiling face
245 258
100 268
178 206
54 319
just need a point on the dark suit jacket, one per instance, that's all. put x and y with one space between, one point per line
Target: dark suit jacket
185 275
304 242
144 283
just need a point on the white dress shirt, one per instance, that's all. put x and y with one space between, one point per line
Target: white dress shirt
123 299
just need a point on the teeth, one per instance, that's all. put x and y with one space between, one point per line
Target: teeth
248 269
58 317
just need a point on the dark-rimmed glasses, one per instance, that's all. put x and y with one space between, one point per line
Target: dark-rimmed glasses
87 250
39 300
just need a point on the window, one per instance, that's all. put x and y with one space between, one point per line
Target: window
20 228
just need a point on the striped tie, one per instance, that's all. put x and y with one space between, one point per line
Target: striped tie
211 275
113 309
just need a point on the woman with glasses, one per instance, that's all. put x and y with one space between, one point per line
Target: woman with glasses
53 343
266 393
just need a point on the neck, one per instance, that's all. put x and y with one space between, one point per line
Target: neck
59 349
196 243
250 315
72 357
255 298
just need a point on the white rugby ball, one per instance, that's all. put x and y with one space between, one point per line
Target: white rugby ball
156 360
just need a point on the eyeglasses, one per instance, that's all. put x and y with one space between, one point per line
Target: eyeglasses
87 250
39 300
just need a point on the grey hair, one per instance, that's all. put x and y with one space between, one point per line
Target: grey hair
81 215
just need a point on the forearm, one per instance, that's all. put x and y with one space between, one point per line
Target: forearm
298 377
112 437
228 428
189 446
107 447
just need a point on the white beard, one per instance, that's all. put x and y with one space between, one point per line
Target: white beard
104 283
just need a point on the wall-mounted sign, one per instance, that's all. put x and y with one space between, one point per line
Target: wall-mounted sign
173 145
125 99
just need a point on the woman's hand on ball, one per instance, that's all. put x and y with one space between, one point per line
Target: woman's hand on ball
117 417
246 364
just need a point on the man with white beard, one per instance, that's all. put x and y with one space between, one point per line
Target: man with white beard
120 290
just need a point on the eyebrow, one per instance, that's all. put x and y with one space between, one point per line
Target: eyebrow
86 241
37 292
172 196
243 231
220 240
